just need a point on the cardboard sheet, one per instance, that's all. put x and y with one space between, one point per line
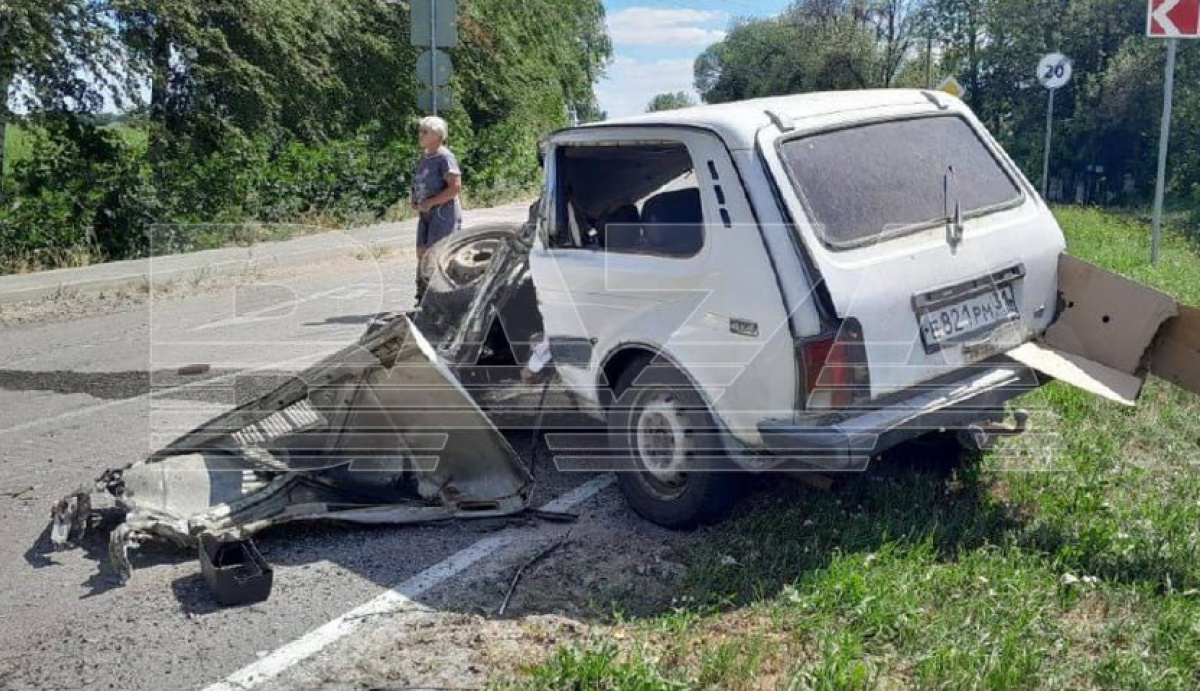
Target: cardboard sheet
1079 372
1176 358
1105 317
1111 332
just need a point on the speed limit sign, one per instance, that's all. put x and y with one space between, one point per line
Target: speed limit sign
1054 71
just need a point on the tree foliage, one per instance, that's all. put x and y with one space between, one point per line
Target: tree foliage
669 101
1106 118
280 110
815 45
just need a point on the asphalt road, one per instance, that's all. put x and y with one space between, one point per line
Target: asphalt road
82 394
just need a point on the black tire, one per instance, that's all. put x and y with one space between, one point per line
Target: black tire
448 276
458 261
659 420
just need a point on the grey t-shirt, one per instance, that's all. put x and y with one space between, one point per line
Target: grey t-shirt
430 180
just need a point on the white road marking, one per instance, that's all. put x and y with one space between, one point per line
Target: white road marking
399 597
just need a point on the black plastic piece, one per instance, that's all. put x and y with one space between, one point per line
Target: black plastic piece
235 571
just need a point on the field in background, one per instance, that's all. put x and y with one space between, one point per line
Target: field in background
17 147
1066 559
18 142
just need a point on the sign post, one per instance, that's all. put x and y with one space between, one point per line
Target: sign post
1172 20
434 26
1053 71
1164 136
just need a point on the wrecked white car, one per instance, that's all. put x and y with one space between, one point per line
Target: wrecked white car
807 281
784 284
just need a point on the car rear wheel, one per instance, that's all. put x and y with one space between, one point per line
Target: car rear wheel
672 471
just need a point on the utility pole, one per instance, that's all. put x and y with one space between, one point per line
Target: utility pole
1170 20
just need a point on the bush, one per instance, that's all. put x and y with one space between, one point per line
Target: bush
89 190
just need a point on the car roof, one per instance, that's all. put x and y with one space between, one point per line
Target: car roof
738 122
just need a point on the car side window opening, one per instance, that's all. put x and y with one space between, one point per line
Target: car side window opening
632 199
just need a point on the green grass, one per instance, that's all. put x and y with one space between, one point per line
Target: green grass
1066 559
18 146
132 135
19 142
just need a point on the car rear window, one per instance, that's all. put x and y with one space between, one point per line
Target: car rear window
871 181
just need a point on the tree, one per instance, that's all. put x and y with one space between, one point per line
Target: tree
814 45
305 68
671 101
277 110
1107 117
62 53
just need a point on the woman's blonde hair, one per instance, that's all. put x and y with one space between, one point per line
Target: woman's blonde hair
436 125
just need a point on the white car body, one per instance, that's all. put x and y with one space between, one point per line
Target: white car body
731 316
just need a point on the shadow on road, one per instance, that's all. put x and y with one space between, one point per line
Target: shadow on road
193 595
95 548
349 319
106 385
225 386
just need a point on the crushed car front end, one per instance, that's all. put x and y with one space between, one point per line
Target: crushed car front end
384 431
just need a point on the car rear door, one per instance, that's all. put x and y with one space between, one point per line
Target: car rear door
873 197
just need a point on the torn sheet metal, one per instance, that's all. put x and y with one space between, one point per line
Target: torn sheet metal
380 432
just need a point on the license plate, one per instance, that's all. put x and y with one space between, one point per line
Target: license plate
958 320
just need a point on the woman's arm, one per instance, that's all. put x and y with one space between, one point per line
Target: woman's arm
453 188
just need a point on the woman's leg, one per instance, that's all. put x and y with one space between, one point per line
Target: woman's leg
422 246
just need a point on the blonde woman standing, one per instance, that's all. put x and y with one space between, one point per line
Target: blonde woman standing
437 185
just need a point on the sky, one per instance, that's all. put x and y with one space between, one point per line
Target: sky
655 43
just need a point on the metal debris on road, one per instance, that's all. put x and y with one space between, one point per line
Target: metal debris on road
382 432
379 433
23 494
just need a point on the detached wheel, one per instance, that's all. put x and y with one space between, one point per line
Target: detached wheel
452 270
673 471
460 260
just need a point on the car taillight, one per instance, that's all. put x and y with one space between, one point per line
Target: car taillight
835 369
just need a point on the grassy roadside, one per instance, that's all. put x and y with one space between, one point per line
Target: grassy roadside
17 147
1065 559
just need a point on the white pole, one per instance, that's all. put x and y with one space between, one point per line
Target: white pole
1046 154
1163 138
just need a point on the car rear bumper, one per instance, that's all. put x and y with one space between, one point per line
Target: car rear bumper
850 443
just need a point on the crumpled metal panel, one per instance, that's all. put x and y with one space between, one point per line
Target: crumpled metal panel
380 432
